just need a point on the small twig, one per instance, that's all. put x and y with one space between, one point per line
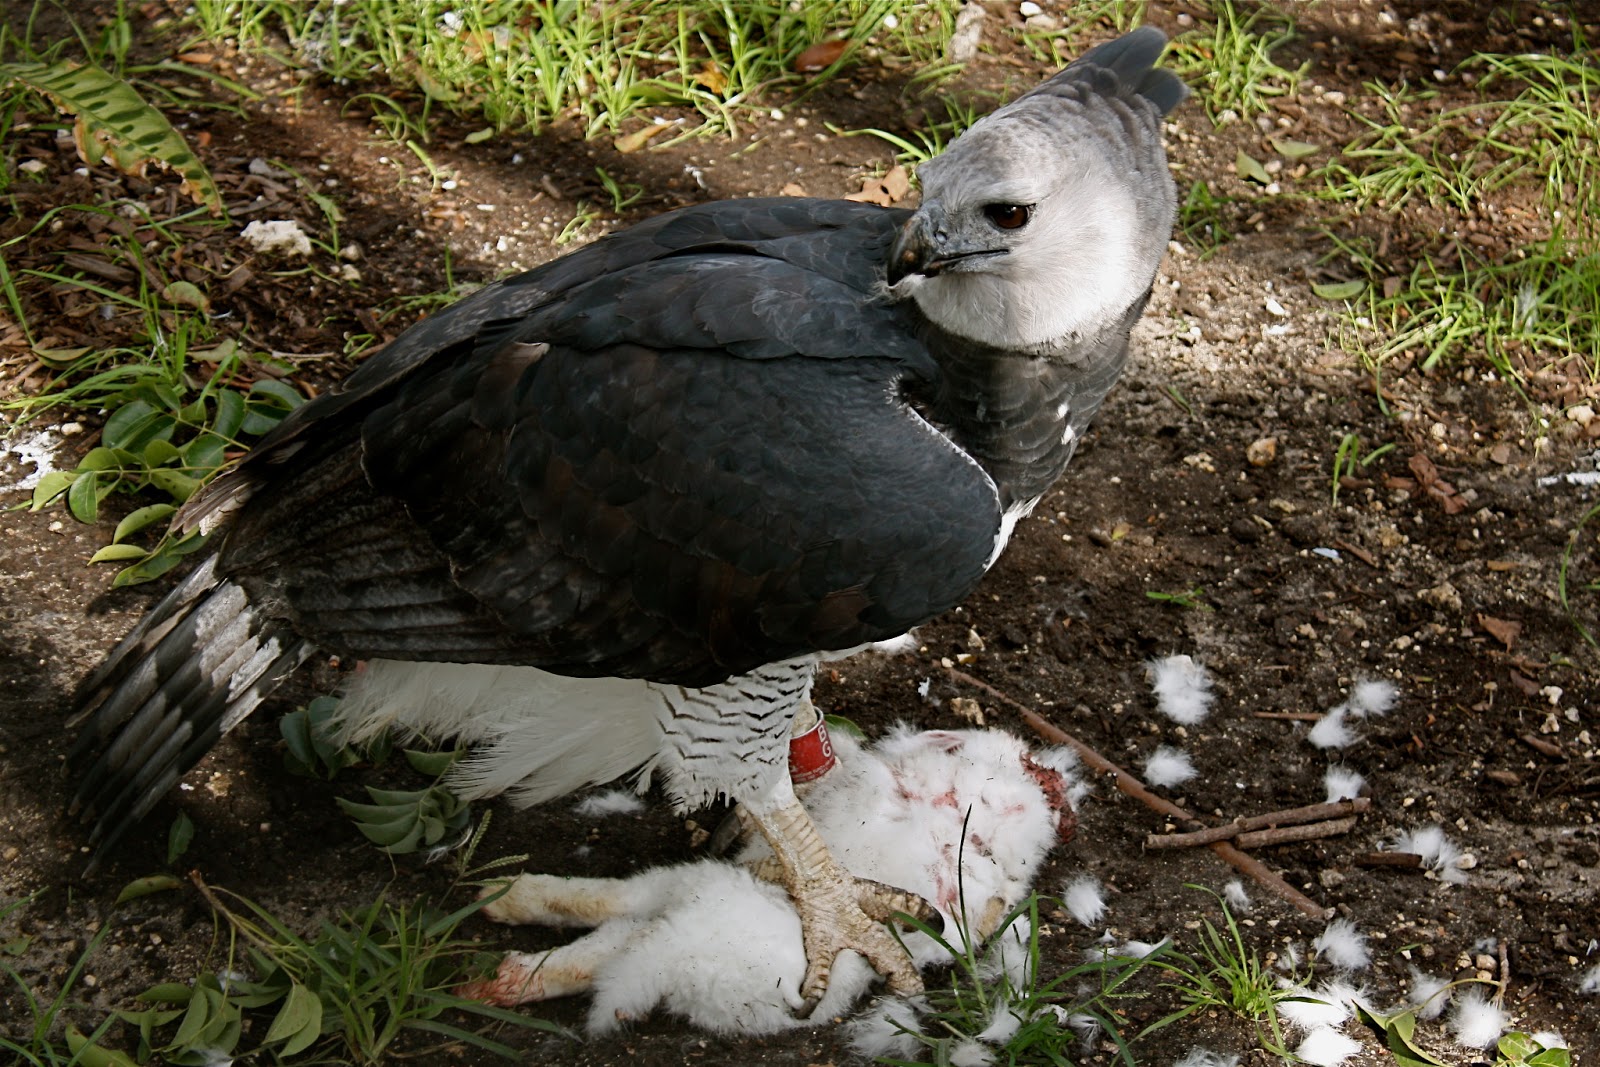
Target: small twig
1292 716
1539 744
1236 828
1131 786
1358 552
1387 859
1283 835
1505 976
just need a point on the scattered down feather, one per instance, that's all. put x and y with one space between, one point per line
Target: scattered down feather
1168 766
1428 994
1327 1047
1332 731
1204 1057
1182 688
1439 854
1084 899
1477 1021
1373 697
1330 1005
1590 982
1342 783
1236 897
609 802
711 943
1342 945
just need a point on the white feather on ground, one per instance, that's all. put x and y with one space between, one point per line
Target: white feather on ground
1439 854
1168 766
1204 1057
1289 958
1331 731
1084 900
1003 1026
609 802
1236 897
1476 1022
1329 1005
1138 950
1327 1047
1107 948
1590 983
1549 1039
710 943
1342 783
1182 688
1373 697
1342 945
1086 1026
881 1030
1428 994
970 1053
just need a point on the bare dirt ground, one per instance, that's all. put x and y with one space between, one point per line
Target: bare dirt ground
1451 594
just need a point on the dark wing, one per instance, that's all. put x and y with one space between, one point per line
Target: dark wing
679 468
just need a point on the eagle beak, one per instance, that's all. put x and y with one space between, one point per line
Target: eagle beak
915 251
926 247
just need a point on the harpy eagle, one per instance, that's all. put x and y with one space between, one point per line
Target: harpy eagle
612 512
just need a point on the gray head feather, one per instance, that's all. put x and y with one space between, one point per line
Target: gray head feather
1081 156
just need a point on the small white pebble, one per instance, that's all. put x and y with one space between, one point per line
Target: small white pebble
1028 9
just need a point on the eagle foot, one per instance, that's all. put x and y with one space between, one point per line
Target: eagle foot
837 910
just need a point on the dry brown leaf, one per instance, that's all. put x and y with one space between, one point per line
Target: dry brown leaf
968 709
820 56
792 189
1501 630
711 78
1528 686
885 191
1435 486
629 143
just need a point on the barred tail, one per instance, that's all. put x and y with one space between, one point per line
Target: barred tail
188 673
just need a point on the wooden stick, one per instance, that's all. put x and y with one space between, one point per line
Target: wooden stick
1291 716
1539 744
1132 787
1387 859
1287 817
1283 835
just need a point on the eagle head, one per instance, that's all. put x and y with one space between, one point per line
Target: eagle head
1047 218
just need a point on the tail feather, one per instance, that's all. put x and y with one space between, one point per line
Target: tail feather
186 675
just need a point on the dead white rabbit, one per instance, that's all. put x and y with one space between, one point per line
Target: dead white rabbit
717 945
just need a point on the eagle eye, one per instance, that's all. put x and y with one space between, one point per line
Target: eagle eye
1007 216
